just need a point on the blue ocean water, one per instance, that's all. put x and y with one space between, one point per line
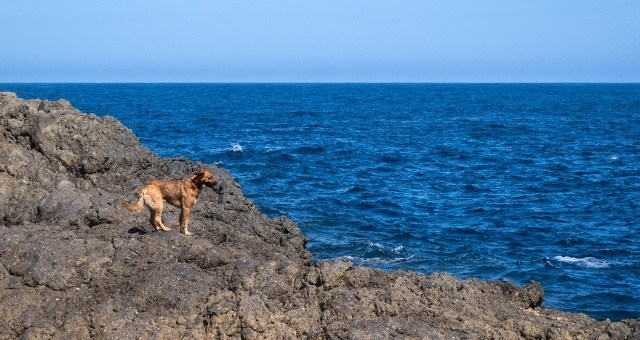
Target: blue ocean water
494 181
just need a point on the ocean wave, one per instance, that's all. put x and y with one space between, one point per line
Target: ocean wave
236 147
590 262
392 158
355 190
399 250
310 150
382 250
375 245
378 261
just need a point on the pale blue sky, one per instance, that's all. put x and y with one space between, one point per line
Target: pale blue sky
320 41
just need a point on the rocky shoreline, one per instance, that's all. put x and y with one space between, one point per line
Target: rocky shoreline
75 264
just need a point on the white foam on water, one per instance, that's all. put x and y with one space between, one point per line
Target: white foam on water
376 261
236 147
398 249
590 262
376 245
273 148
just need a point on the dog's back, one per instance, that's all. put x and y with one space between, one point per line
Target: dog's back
170 190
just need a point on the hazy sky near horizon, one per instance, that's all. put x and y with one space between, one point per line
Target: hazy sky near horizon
320 41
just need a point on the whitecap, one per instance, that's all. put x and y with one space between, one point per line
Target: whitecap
376 245
273 148
236 147
378 261
590 262
398 249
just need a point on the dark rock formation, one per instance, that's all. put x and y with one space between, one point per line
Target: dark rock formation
74 264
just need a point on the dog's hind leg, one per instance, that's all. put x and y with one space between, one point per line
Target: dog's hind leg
184 221
152 218
157 219
154 202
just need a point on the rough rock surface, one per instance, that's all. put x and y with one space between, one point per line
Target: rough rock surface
75 265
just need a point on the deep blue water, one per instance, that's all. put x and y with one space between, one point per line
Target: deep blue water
515 181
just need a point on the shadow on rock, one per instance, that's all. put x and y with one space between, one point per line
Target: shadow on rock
137 230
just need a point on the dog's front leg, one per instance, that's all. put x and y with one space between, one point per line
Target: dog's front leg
184 220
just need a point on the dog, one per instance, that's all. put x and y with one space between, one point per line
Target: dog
181 193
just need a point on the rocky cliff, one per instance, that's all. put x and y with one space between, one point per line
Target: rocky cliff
74 264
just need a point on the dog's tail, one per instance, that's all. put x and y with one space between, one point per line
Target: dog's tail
135 207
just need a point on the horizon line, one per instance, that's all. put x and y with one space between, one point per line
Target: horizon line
320 82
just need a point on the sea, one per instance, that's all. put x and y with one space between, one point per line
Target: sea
512 182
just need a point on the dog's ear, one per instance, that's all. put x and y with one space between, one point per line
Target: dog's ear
200 175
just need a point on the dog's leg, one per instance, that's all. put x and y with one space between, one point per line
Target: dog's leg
154 201
152 218
158 219
155 218
184 220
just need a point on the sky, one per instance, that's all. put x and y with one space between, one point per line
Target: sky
320 41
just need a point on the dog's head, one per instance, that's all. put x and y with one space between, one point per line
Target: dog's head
204 177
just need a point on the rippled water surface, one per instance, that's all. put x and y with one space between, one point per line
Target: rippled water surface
521 182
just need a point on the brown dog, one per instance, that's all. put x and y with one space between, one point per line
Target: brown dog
181 193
